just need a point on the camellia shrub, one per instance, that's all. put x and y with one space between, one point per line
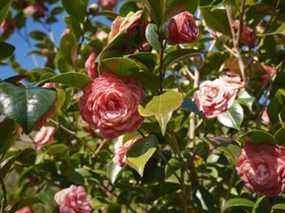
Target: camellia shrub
144 106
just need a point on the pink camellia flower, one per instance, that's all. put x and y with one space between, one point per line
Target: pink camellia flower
107 4
214 97
101 35
232 79
182 28
262 168
247 35
36 10
91 66
73 200
49 85
25 210
121 151
44 136
130 24
110 104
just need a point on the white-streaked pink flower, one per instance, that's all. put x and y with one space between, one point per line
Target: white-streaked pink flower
265 117
73 200
121 150
90 65
26 209
101 35
44 136
49 85
214 97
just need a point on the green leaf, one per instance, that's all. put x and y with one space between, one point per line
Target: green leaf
258 137
216 20
280 136
156 10
68 46
146 58
6 50
231 152
4 8
38 35
151 34
71 79
261 205
279 206
233 117
162 107
128 6
113 171
238 202
25 105
141 152
174 7
58 150
7 134
176 56
75 8
246 99
120 66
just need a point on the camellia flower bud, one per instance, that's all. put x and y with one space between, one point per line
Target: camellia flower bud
37 10
214 97
25 210
73 200
110 104
107 4
182 28
49 85
262 168
90 65
265 117
44 136
121 150
248 36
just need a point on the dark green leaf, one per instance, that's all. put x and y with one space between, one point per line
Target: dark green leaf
4 8
156 9
71 79
25 105
6 50
151 34
176 6
236 202
146 58
216 20
120 66
141 152
279 206
231 152
258 137
7 134
75 8
179 55
280 136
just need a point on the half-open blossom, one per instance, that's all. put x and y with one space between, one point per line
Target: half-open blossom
265 117
101 35
110 104
247 35
107 4
44 136
214 97
73 200
90 65
130 24
25 210
182 28
49 85
262 168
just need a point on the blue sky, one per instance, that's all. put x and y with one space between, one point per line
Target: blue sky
22 48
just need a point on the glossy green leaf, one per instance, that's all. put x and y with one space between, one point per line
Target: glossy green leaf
58 150
151 34
280 136
258 137
162 107
113 171
261 205
233 117
4 8
71 79
128 6
246 99
156 10
120 66
141 152
216 20
25 105
7 134
279 206
176 56
6 50
75 8
231 152
238 202
146 58
68 46
174 7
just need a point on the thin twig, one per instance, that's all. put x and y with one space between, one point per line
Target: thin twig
4 192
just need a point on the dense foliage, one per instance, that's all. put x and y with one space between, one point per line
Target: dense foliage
144 106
